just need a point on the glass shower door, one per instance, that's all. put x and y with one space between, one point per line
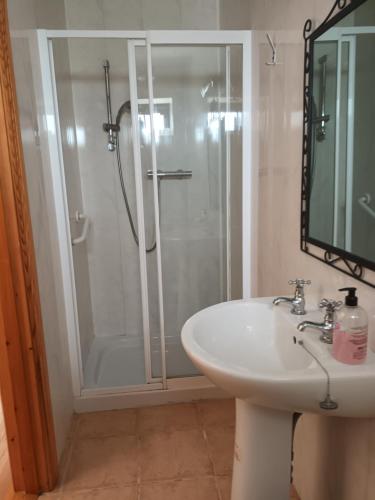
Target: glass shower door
197 102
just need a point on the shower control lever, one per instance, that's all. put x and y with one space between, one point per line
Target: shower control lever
171 174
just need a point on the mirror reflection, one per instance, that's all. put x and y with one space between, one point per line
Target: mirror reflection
342 160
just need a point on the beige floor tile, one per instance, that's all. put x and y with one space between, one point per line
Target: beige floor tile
217 412
125 493
107 423
173 455
103 462
167 418
224 483
185 489
221 446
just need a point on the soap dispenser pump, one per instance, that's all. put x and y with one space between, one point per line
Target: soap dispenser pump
351 331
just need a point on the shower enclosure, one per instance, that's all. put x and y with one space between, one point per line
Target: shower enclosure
148 142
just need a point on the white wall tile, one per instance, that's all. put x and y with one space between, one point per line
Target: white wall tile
164 14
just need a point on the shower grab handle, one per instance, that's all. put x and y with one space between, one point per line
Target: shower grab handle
86 222
171 174
365 201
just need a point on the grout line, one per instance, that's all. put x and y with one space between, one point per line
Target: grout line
205 437
199 415
216 475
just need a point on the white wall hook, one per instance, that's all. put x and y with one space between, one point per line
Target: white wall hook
274 60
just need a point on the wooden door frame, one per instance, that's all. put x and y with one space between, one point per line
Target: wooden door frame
24 382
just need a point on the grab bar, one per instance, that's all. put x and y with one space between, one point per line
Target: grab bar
365 201
78 218
171 174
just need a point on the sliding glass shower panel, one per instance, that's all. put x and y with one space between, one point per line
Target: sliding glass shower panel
191 121
99 183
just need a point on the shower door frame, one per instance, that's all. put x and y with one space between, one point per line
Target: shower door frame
53 156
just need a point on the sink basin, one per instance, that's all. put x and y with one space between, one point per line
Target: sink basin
253 350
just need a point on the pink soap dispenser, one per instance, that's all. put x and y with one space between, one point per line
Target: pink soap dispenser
351 331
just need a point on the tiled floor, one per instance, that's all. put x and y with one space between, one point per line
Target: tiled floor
175 452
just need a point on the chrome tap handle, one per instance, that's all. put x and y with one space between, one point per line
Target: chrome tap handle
299 282
298 301
330 305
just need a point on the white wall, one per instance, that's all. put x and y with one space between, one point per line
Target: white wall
23 15
334 457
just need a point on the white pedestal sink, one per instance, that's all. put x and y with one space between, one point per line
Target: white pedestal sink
251 350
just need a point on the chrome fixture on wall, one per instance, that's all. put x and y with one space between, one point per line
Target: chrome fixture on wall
170 174
109 127
322 118
113 130
114 145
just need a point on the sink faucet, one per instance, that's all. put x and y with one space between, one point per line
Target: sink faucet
298 301
329 321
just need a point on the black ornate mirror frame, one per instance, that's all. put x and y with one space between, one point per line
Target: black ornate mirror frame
345 262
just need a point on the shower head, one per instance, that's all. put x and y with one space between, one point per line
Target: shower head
106 64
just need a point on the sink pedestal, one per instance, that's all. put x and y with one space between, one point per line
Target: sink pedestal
262 454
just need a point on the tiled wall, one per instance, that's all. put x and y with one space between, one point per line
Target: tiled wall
335 458
142 14
23 16
113 255
73 189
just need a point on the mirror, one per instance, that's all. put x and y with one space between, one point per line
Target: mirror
339 144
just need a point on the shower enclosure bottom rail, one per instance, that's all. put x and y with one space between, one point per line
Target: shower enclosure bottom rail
179 390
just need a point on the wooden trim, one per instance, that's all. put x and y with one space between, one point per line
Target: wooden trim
23 367
23 496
